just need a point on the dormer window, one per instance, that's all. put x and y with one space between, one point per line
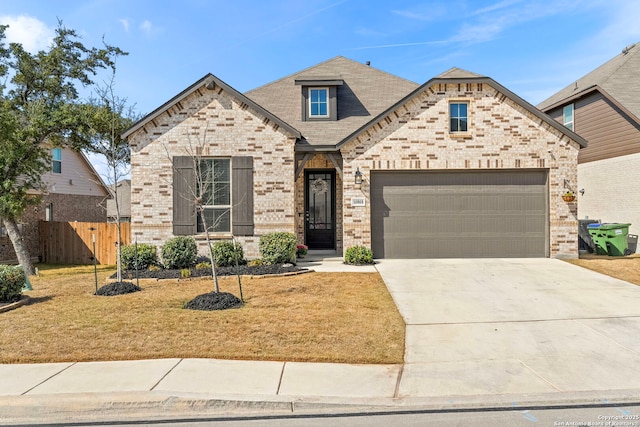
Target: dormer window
319 102
319 98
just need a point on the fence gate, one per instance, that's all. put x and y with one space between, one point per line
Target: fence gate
71 242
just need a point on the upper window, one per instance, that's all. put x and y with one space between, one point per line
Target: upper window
567 116
214 186
458 117
56 160
318 102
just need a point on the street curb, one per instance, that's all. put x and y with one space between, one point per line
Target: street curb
100 407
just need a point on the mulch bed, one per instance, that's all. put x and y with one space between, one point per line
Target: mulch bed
245 270
214 301
117 288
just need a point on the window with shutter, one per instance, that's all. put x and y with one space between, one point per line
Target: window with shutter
226 189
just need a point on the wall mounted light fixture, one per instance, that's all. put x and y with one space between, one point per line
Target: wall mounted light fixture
358 177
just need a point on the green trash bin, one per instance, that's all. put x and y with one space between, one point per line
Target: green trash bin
610 239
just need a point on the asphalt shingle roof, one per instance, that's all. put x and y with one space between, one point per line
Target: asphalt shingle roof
365 93
619 77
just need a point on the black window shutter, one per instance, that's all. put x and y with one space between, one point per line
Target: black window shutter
242 195
184 209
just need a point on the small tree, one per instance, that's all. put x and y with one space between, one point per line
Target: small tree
201 192
107 117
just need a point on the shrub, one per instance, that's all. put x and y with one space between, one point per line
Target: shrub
138 258
358 255
301 250
203 265
256 262
179 252
277 248
226 255
154 268
12 280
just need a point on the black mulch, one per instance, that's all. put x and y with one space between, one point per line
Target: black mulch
255 270
10 300
214 301
118 288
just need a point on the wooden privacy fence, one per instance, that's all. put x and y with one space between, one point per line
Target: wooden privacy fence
72 242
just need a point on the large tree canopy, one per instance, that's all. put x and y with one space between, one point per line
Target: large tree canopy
40 107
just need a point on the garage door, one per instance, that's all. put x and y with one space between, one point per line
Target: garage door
459 214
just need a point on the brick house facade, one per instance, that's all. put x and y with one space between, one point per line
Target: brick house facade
304 138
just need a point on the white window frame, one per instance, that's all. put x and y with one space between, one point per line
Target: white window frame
458 102
56 161
328 103
226 207
569 124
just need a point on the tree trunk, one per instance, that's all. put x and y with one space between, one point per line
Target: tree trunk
18 245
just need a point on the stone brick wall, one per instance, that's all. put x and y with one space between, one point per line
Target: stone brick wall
211 123
66 207
502 135
611 190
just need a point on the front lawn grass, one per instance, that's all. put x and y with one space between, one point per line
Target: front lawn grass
313 317
624 268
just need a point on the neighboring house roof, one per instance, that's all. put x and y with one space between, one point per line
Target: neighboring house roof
209 81
124 200
618 80
362 93
457 75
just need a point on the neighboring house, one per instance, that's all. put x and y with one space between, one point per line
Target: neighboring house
343 154
75 192
604 108
124 202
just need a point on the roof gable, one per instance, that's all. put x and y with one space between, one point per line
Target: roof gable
209 82
363 93
456 75
619 78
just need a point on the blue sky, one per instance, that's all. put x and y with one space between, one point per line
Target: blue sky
534 48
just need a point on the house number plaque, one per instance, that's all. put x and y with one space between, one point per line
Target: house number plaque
358 201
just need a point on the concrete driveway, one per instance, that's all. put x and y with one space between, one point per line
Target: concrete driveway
502 326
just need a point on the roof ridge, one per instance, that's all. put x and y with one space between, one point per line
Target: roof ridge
335 58
456 72
293 74
625 53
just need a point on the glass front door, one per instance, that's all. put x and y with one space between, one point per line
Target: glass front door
320 209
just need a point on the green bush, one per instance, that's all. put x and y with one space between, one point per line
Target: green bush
277 248
179 252
203 265
358 255
12 280
138 257
226 255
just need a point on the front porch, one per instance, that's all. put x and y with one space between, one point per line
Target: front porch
318 194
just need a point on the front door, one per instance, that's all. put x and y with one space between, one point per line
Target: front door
320 209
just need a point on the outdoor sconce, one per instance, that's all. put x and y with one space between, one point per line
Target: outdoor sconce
358 178
582 191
